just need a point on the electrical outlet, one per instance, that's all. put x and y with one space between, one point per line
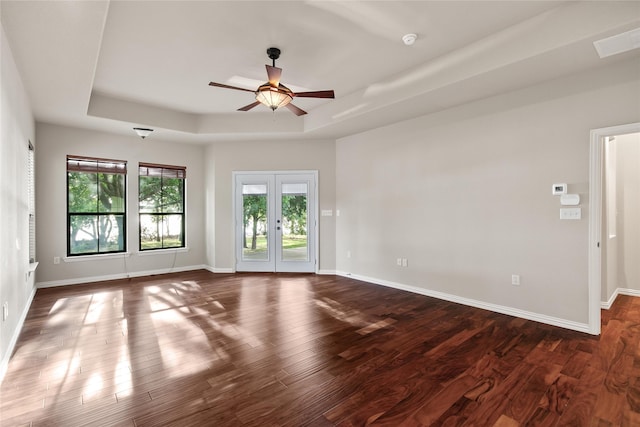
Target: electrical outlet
399 262
515 279
405 263
348 254
56 260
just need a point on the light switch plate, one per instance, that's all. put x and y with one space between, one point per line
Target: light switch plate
570 213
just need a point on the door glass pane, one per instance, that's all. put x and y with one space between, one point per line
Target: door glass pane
254 219
294 222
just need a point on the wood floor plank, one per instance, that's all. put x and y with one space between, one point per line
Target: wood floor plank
197 348
580 408
441 402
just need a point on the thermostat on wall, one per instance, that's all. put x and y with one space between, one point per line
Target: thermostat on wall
558 189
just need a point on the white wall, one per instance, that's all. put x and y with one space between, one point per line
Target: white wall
465 195
222 158
54 144
16 129
628 201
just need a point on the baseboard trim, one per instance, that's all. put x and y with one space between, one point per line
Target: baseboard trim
219 270
619 291
4 364
327 272
91 279
510 311
606 305
629 292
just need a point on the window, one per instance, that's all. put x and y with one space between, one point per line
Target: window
96 207
161 206
31 189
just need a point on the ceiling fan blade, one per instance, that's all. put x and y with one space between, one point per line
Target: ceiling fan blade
274 74
297 111
230 87
249 107
316 94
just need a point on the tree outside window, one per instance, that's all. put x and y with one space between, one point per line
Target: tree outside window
96 208
255 216
161 206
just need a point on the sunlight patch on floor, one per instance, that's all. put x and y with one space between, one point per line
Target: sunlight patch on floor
341 312
161 297
122 373
375 326
194 352
92 387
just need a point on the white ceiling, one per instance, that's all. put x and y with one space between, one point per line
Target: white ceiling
114 65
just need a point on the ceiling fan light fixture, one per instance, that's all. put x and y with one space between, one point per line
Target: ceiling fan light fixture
143 132
273 97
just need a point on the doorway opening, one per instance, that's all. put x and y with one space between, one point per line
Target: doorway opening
600 232
275 221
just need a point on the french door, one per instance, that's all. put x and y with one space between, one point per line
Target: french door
275 221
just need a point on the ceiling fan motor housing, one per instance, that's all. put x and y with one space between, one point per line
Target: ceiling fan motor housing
274 53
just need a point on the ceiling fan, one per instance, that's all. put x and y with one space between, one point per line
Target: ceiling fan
273 94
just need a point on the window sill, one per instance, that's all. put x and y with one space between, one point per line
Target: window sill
162 251
79 258
32 267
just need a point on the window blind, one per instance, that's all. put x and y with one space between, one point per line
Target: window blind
164 171
31 189
93 164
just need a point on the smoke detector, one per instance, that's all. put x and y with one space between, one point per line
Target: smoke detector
409 39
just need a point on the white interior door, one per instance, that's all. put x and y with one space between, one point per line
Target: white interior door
275 215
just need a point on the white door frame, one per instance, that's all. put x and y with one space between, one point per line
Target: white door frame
315 211
595 218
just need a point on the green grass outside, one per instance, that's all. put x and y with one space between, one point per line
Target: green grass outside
153 244
288 242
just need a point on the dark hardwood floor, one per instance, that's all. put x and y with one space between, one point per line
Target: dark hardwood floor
198 349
